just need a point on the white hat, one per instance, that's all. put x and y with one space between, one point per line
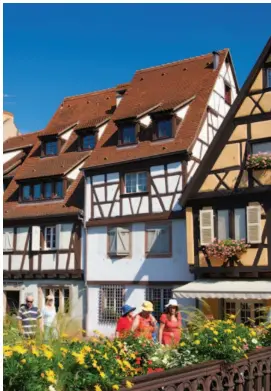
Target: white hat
173 303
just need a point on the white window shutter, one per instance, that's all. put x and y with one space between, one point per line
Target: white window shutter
58 237
254 224
123 239
35 238
112 233
8 239
206 218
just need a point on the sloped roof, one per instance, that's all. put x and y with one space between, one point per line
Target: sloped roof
87 109
224 132
167 86
21 142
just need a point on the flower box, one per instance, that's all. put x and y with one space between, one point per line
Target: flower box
221 252
259 161
262 176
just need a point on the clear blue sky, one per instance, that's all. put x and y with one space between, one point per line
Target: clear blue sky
57 50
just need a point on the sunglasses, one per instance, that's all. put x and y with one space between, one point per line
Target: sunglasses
29 301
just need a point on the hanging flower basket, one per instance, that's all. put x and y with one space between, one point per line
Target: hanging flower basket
228 250
259 160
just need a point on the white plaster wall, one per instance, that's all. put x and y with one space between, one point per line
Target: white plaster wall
67 134
137 267
134 296
101 130
88 198
181 113
9 155
48 262
21 238
5 262
74 173
145 120
65 235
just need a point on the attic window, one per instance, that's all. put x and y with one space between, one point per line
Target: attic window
42 191
89 141
50 148
228 94
127 134
164 128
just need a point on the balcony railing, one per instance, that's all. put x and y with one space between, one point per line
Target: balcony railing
251 374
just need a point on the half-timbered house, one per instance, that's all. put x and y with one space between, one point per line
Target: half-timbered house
229 199
43 206
164 122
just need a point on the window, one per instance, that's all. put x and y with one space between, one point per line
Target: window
50 148
89 141
48 190
159 297
247 312
61 298
8 239
119 241
37 191
136 182
110 302
158 239
268 77
59 189
164 128
223 224
26 192
227 94
240 231
50 238
261 147
128 134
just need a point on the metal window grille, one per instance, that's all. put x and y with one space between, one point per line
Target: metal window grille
110 302
159 297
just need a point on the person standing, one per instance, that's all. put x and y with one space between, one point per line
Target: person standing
49 319
125 322
170 324
144 324
29 317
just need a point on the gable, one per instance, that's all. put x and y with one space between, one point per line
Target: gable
225 166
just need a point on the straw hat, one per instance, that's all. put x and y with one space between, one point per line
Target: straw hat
147 306
50 297
173 303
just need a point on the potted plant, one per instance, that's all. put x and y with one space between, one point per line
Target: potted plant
226 252
261 160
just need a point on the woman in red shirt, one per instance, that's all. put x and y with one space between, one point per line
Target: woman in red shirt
144 324
170 324
125 322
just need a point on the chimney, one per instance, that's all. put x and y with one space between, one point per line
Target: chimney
215 60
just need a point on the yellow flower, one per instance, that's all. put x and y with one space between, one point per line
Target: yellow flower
50 376
35 351
102 374
105 356
48 354
195 334
234 348
23 361
253 333
64 335
132 355
19 349
87 348
64 350
197 342
232 316
98 388
6 347
129 384
215 332
75 339
8 353
115 387
182 344
60 365
80 358
228 331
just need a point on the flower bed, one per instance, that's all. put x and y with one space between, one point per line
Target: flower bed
259 161
225 250
104 364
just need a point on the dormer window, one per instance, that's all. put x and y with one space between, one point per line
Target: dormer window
26 192
48 190
128 134
50 148
89 141
37 191
41 191
227 94
164 128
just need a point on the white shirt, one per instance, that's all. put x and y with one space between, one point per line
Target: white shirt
48 316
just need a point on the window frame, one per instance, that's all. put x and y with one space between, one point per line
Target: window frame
116 254
231 219
44 144
238 309
46 248
158 118
122 126
88 134
136 193
165 295
105 292
259 141
266 69
42 191
148 226
51 290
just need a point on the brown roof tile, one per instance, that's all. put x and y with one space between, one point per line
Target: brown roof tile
22 141
167 85
85 109
36 167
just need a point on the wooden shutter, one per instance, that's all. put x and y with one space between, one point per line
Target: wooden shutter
8 239
123 241
35 245
254 224
58 237
206 226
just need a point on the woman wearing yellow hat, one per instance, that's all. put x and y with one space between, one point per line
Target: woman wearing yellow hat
145 323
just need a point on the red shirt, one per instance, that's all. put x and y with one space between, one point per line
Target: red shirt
124 324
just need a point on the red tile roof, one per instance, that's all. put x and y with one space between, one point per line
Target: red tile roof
167 85
36 167
87 109
22 141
